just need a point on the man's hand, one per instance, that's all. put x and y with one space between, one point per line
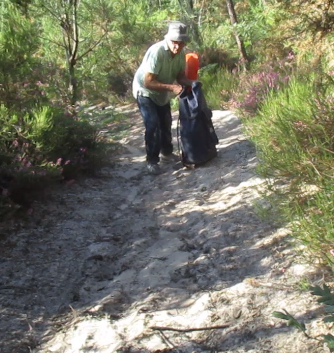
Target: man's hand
151 82
177 89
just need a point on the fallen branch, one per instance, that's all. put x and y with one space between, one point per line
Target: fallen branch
166 340
164 328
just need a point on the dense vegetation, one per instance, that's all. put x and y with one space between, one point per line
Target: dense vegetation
270 61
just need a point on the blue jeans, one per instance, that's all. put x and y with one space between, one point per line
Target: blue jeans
158 128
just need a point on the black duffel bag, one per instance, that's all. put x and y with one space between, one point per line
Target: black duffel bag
197 135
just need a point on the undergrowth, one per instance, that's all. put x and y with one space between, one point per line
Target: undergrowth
42 147
218 85
263 80
294 135
325 297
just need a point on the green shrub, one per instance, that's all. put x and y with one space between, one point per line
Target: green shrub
61 138
218 85
292 132
294 136
314 225
20 85
46 146
326 299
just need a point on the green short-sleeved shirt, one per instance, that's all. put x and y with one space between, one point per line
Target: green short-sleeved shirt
159 61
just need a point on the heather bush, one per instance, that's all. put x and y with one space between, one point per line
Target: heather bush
293 132
56 134
45 146
254 87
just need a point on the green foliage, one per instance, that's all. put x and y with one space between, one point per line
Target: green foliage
326 297
293 133
218 85
112 38
255 86
60 137
313 223
256 20
258 26
325 294
23 170
291 321
277 130
45 146
19 86
329 339
304 284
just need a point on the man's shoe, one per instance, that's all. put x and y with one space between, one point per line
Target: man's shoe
153 168
170 158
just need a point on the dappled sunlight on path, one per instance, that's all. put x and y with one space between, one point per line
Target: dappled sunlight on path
179 262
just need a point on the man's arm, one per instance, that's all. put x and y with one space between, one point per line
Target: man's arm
151 82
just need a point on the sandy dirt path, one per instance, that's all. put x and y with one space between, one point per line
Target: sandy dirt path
180 262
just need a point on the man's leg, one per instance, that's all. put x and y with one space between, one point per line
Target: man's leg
148 110
165 117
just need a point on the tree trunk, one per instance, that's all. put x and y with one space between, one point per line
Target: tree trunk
71 43
233 18
73 86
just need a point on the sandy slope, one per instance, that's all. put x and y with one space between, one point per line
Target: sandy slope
107 261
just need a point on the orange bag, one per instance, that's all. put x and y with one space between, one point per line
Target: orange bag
192 66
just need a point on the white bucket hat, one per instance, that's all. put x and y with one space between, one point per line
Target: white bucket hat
177 31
